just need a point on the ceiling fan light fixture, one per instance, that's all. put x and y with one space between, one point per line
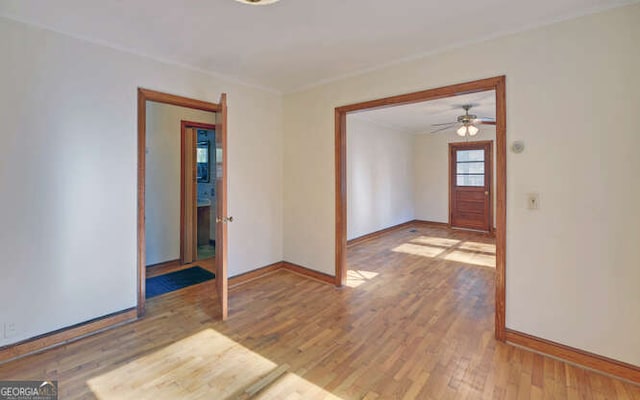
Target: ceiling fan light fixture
466 123
257 2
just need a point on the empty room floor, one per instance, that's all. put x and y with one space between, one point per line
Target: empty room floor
414 322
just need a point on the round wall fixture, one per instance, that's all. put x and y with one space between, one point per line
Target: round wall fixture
258 2
517 146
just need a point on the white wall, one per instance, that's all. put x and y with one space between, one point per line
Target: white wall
379 177
431 173
573 91
68 175
162 200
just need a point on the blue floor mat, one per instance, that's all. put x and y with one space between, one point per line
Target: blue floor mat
177 280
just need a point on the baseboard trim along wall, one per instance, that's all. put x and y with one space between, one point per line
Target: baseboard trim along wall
66 335
255 274
373 235
575 356
308 273
279 266
170 263
431 223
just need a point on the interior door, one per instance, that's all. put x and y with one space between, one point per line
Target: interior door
221 207
188 245
470 166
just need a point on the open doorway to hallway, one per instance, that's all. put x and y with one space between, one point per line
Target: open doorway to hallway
400 166
414 166
376 186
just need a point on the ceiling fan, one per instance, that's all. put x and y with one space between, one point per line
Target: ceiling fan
466 123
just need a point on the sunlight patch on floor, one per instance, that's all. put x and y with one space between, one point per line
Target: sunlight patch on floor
435 241
477 246
291 386
206 365
472 258
419 250
358 277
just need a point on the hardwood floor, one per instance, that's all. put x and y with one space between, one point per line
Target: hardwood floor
414 322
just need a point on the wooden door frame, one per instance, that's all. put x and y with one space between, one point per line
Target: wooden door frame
496 83
488 175
184 124
145 95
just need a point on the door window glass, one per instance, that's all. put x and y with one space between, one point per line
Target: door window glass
470 168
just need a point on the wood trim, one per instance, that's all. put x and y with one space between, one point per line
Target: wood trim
188 195
66 335
142 157
193 124
487 146
431 223
501 208
379 233
583 358
309 273
424 95
145 95
255 274
170 263
166 98
222 281
495 83
341 196
182 193
279 266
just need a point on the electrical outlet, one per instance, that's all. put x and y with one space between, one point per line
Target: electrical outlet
9 330
533 201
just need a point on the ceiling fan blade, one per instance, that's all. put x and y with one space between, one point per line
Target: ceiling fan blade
446 123
443 129
485 121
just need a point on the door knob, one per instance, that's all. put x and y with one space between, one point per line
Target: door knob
486 193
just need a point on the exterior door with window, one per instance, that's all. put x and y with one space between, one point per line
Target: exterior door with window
470 166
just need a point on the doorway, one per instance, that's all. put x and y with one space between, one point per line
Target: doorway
470 185
497 84
219 111
197 191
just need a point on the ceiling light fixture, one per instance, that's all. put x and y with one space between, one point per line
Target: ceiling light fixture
467 129
258 2
466 123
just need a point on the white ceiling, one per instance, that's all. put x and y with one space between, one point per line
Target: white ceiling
294 43
418 117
